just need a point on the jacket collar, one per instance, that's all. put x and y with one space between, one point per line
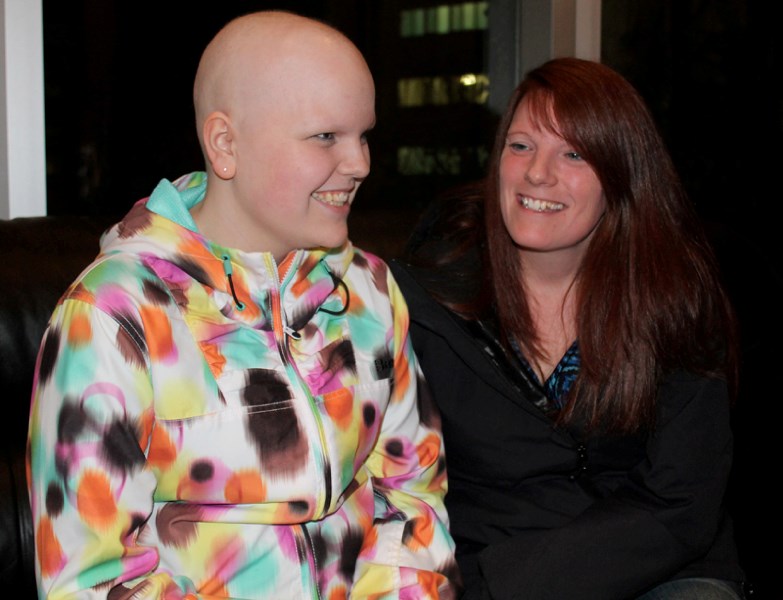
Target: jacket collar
160 230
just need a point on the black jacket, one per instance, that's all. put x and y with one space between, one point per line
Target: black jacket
540 512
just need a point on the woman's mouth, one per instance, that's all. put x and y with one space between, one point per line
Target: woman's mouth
540 205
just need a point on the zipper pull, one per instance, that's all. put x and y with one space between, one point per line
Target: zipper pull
295 335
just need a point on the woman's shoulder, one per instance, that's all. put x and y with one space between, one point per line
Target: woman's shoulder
452 219
682 392
444 254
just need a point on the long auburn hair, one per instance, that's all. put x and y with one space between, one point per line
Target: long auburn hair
648 294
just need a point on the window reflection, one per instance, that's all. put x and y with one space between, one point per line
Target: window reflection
442 160
445 18
439 90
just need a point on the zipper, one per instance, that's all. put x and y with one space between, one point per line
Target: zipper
282 333
312 561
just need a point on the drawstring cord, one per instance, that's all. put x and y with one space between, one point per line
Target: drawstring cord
337 283
229 271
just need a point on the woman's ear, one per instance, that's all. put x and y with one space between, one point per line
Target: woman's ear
219 144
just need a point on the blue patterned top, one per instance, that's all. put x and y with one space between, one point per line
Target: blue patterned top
558 384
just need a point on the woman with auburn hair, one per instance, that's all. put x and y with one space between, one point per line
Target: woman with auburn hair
572 327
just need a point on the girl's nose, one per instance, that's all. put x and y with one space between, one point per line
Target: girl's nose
356 160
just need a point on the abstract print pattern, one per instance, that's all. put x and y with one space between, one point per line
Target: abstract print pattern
263 436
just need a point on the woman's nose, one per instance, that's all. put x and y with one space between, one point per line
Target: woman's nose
539 171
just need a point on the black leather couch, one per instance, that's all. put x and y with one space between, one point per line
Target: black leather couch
40 256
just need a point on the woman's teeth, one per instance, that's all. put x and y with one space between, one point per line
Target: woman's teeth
541 205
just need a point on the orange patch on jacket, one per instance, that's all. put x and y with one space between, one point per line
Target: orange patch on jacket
428 582
162 450
339 406
50 553
214 358
245 486
213 588
147 422
302 284
190 245
159 340
80 331
428 450
422 532
370 540
95 501
338 593
402 376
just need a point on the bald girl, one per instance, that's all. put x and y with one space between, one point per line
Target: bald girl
283 105
227 404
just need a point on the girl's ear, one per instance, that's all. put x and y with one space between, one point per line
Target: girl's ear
219 144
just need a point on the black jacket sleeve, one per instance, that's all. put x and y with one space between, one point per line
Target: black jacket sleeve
665 516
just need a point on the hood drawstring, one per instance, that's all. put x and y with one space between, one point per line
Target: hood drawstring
229 271
337 283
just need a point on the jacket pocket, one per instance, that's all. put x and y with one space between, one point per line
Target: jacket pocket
252 446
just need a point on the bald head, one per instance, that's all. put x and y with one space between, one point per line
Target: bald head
283 106
261 58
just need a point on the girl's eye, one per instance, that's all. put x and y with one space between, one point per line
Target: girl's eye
325 137
574 155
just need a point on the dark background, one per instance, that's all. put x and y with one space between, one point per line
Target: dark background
118 79
119 117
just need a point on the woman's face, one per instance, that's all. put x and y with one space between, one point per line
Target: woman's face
550 198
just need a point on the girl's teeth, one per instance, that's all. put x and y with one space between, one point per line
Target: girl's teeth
541 205
332 198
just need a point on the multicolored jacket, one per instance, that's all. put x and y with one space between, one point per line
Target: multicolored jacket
209 424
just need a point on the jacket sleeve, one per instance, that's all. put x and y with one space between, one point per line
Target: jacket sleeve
90 486
410 553
663 518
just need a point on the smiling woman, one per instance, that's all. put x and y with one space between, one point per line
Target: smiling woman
551 199
570 322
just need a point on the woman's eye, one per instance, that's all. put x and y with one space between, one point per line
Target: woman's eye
573 155
517 146
325 137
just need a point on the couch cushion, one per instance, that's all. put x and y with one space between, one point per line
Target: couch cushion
39 258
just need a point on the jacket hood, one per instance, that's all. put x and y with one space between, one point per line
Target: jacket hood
160 229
